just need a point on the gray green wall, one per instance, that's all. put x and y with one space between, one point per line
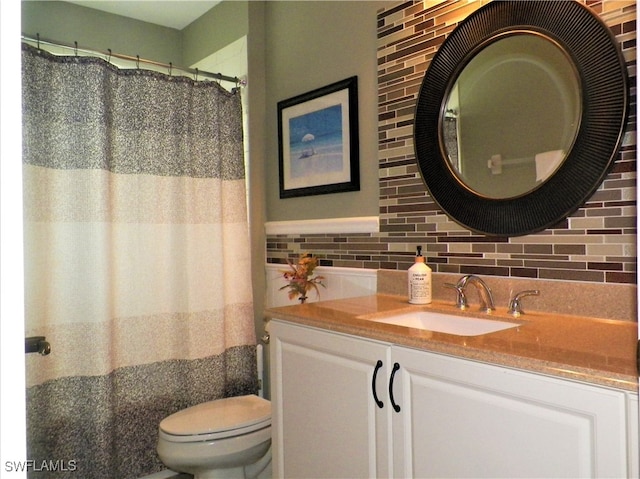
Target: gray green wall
310 45
214 30
67 23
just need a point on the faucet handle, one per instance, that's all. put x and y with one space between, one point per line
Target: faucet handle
461 298
515 303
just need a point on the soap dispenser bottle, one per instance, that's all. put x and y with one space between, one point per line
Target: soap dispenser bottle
419 280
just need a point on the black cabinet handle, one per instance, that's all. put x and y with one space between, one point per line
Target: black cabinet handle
396 407
379 403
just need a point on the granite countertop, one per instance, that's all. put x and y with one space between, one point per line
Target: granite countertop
597 351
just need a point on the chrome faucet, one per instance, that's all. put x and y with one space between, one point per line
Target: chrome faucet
515 303
461 298
484 292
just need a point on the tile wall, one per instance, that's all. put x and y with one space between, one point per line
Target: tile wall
595 244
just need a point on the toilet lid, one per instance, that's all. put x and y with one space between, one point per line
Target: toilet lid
228 416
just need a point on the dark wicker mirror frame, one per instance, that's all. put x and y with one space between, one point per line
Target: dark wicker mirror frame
603 75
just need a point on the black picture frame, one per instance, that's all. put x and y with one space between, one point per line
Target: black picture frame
318 143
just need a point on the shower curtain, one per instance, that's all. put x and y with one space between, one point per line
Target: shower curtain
137 259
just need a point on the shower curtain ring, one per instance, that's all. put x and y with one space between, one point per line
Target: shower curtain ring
196 75
170 68
138 62
75 49
109 57
38 40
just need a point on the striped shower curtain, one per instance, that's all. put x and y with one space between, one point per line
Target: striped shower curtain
137 259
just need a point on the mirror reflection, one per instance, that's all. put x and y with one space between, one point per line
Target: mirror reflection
512 115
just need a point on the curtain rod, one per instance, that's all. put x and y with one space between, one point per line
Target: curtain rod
109 54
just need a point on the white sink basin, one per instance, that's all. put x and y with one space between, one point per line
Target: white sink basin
446 323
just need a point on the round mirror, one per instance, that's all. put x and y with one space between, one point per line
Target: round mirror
512 115
520 115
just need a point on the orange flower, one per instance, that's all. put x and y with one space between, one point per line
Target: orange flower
300 277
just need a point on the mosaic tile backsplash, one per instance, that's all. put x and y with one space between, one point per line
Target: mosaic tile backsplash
595 244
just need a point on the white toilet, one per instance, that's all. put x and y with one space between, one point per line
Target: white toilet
226 438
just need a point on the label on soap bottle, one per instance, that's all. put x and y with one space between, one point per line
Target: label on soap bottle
419 284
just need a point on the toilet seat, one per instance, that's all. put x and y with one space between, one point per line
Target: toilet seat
219 419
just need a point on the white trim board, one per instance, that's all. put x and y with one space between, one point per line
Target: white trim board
360 224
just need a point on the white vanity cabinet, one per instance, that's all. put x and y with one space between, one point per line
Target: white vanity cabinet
440 417
325 420
462 418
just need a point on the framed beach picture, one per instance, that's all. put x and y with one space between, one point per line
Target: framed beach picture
318 141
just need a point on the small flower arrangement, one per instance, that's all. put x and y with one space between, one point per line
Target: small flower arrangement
300 277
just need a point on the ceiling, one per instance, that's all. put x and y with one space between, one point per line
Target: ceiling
169 13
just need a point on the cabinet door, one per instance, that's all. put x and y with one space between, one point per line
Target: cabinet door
461 418
325 419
